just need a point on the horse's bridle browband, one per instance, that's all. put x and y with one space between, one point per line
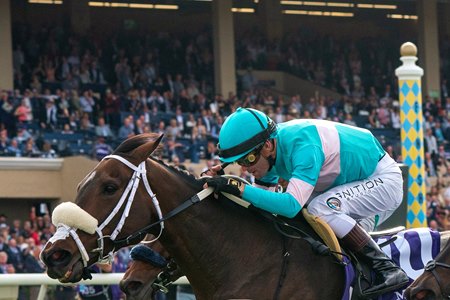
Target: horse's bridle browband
431 267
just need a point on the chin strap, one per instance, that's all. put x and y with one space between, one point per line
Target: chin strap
270 159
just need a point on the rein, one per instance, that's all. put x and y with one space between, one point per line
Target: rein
139 234
431 267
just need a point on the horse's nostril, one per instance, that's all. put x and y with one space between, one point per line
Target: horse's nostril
423 295
131 287
57 258
57 255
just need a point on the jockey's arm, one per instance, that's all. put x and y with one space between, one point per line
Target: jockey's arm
306 170
287 204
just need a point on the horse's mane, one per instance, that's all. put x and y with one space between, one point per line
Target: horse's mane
134 142
188 177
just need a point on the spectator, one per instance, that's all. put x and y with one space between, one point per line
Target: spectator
140 126
87 103
178 86
103 129
16 229
112 109
23 112
349 120
176 163
64 107
30 149
31 264
15 255
248 80
174 149
126 130
216 126
190 124
50 119
47 151
22 135
13 149
101 149
29 232
180 120
430 143
173 130
433 224
395 117
5 268
86 124
430 166
211 150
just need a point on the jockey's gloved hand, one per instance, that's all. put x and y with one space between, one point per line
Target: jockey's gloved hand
227 185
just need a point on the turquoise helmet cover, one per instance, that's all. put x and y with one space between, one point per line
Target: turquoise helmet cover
242 131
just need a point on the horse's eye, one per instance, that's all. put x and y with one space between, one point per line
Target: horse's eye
109 189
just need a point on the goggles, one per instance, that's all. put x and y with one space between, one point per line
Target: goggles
251 158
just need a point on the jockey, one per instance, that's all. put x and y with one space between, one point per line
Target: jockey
337 172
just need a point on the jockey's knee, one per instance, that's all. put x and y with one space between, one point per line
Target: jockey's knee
320 207
331 214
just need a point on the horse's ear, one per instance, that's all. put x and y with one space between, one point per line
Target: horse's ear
142 152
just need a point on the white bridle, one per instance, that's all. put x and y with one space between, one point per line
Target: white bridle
66 228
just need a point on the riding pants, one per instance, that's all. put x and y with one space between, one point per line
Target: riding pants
369 202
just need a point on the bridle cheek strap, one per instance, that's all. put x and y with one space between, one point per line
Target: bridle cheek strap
134 183
431 267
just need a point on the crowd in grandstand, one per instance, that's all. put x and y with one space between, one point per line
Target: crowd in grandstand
86 94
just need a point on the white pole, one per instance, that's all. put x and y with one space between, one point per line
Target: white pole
43 279
42 292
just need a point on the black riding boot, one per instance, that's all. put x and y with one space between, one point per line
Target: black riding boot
388 276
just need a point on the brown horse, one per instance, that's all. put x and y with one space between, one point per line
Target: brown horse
153 266
434 283
224 250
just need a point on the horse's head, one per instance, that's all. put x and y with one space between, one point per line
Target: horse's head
150 270
434 283
87 229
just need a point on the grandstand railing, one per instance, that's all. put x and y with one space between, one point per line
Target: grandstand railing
14 280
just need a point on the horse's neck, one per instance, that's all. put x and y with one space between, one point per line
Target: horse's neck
218 244
211 242
211 250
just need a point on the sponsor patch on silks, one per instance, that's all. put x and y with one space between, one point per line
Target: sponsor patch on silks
334 203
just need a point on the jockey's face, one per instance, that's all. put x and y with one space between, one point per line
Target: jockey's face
260 168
